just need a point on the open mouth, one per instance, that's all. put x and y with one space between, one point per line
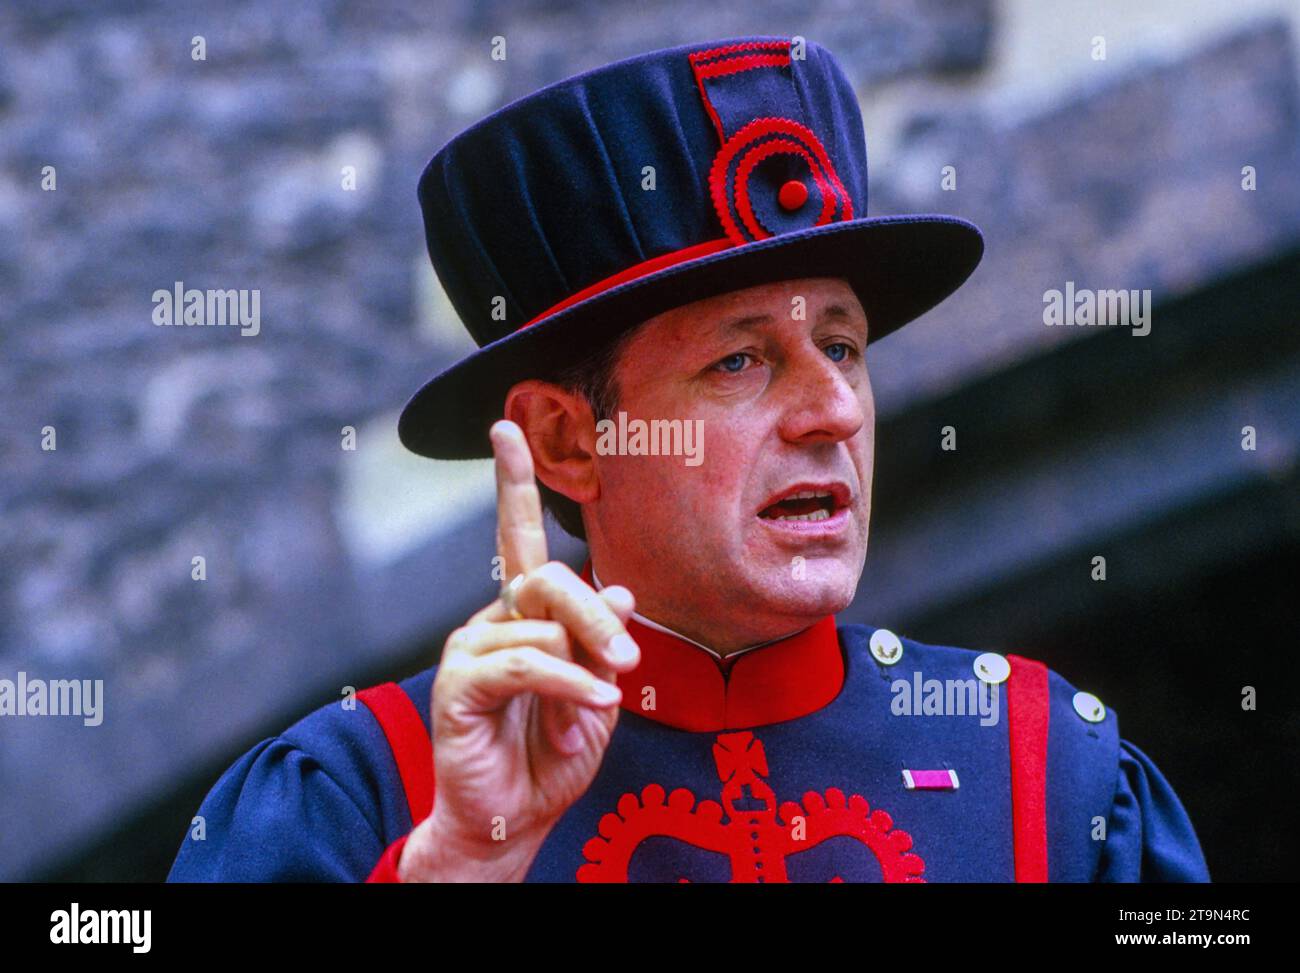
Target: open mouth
806 504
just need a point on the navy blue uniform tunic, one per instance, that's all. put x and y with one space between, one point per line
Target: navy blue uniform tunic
788 767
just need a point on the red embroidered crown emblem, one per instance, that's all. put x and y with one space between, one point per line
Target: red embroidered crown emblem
757 840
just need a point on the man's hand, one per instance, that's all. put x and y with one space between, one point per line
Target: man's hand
522 709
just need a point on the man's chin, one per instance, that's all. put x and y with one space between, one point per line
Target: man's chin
798 591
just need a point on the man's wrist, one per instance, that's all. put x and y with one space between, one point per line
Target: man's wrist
433 854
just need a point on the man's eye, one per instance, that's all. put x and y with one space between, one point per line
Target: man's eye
733 363
838 351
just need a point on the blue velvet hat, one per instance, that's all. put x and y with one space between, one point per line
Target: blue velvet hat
581 210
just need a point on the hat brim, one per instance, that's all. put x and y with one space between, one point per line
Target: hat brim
898 266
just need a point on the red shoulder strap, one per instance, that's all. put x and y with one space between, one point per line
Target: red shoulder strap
1027 718
409 740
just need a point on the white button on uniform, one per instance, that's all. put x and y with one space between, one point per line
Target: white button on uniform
992 668
1089 707
886 647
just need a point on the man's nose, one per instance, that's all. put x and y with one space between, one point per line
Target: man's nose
821 405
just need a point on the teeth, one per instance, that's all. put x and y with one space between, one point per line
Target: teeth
808 495
815 515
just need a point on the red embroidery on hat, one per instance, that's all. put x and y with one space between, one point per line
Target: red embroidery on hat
773 147
792 195
735 65
800 141
710 63
729 60
757 841
713 52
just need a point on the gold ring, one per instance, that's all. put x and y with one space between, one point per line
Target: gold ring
508 595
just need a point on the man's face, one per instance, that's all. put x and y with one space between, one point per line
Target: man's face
769 530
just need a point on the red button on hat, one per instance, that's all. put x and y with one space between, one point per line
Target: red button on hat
793 194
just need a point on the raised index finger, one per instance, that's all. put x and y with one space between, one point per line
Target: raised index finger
521 538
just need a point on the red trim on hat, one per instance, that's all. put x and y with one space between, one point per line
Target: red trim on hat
695 691
730 60
636 271
712 112
798 137
746 208
1028 718
732 49
709 63
724 60
737 64
793 194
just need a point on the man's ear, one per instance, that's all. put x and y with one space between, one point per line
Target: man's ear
561 432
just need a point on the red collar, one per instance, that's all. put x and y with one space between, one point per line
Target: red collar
694 690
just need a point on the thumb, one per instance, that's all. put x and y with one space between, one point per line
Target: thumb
620 601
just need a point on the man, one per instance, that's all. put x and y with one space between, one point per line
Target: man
673 297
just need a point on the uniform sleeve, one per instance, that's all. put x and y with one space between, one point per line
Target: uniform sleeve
277 816
1149 837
